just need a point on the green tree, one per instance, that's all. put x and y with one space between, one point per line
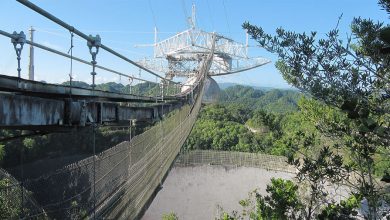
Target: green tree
345 210
170 216
9 200
351 77
284 201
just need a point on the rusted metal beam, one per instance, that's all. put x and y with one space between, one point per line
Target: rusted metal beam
36 113
16 110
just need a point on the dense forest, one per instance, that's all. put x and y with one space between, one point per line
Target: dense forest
272 100
274 122
245 119
341 132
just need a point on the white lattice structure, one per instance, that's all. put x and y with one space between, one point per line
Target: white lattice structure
181 54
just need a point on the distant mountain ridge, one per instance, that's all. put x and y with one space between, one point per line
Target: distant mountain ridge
262 88
273 100
145 88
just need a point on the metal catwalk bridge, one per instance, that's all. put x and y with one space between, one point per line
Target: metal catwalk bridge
120 181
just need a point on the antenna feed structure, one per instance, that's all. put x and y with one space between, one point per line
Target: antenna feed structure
94 44
18 40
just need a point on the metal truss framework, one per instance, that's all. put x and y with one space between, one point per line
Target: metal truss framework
181 54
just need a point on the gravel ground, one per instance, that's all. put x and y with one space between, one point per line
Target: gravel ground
196 192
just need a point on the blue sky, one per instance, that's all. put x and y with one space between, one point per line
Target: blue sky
124 23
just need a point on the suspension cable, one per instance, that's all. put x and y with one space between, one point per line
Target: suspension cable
71 62
154 17
81 34
130 82
94 46
72 57
226 16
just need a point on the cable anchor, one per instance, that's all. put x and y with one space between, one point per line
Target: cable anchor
93 44
18 40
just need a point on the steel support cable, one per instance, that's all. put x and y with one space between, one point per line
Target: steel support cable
154 17
74 58
6 34
226 16
183 4
71 63
88 38
93 50
210 15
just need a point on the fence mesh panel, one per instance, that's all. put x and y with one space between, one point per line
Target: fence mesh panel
232 158
15 199
116 183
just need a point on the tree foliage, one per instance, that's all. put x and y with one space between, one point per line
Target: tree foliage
241 121
222 128
170 216
351 76
283 201
9 200
274 100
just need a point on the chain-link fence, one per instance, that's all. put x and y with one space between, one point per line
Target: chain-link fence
116 183
152 158
15 200
232 158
